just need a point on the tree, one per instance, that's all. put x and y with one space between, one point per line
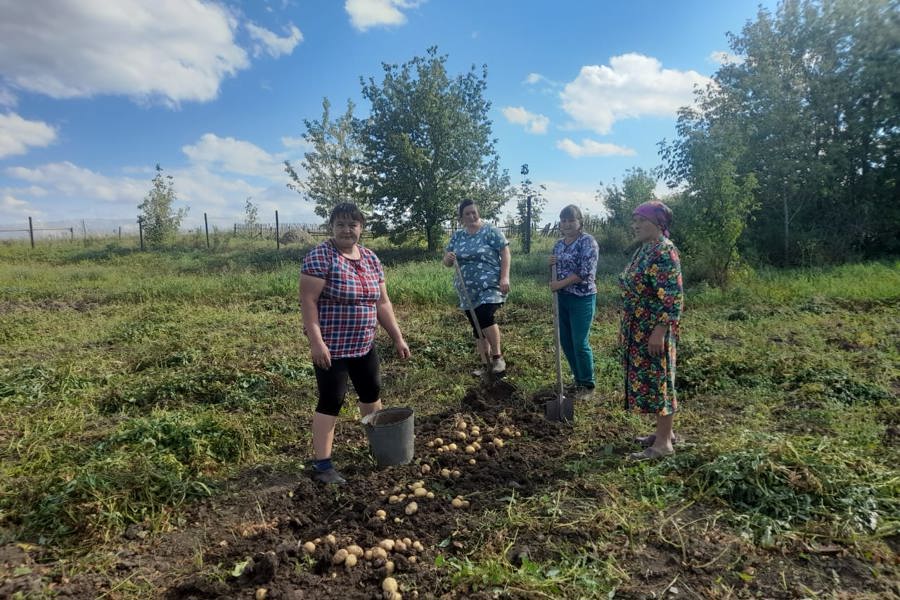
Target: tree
251 213
810 111
529 206
334 167
637 188
427 145
158 218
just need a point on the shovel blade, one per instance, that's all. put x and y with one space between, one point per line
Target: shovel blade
561 410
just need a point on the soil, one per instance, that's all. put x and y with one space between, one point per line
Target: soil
250 537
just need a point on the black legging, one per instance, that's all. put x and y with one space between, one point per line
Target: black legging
362 371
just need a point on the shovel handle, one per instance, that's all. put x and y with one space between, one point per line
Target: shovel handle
559 382
471 310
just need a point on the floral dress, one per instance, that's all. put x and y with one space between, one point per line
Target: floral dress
652 293
478 255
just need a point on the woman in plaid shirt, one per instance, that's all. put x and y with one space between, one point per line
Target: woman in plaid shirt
343 297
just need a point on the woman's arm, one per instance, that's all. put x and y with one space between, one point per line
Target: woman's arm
505 260
310 290
387 320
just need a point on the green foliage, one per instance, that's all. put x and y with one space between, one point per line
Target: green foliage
529 194
808 110
334 167
427 146
251 214
158 216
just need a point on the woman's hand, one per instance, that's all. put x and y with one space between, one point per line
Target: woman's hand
449 259
657 342
555 286
504 285
321 356
552 260
402 349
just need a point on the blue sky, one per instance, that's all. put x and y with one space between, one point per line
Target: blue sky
94 94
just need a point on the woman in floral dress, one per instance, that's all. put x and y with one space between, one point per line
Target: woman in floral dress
483 256
653 297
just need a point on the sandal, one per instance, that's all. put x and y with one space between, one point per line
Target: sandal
647 440
650 453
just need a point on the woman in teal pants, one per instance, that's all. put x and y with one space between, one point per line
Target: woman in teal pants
575 257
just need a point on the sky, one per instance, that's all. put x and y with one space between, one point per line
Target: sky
94 94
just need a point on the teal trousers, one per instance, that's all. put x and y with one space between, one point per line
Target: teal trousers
576 313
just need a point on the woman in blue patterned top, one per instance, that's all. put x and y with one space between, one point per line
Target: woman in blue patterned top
483 256
575 257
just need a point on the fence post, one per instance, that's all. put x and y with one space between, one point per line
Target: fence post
120 233
141 232
83 231
206 225
277 233
30 232
72 234
527 241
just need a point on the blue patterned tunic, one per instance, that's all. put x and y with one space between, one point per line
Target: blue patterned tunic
478 255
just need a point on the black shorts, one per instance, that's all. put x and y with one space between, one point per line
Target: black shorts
361 370
485 315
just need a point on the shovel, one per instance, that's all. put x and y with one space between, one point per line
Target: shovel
485 358
561 409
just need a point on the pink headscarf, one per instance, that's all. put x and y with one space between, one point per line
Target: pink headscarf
657 213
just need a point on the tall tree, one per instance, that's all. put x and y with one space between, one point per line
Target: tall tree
637 187
428 145
334 167
159 219
810 110
530 205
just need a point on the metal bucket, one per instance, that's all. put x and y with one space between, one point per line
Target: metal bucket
391 435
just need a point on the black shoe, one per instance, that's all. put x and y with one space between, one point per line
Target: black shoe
329 476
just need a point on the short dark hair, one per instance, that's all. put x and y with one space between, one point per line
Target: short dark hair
347 209
464 204
572 212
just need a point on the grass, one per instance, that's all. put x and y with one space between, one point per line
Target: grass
132 382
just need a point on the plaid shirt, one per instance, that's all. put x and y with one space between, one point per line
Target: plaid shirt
347 312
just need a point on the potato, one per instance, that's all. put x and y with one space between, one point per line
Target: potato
417 546
430 444
339 556
350 561
456 503
438 442
389 584
407 541
420 492
455 474
442 449
309 547
460 435
331 539
379 552
452 447
393 499
389 567
411 508
518 434
472 461
381 514
465 504
412 560
396 519
399 546
387 544
368 555
470 449
498 442
426 469
445 472
416 485
461 424
476 431
261 594
355 550
507 432
430 495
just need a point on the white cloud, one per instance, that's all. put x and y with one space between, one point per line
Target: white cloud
270 43
18 134
633 85
533 123
560 194
295 143
721 57
7 98
234 156
168 50
365 14
68 180
589 147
